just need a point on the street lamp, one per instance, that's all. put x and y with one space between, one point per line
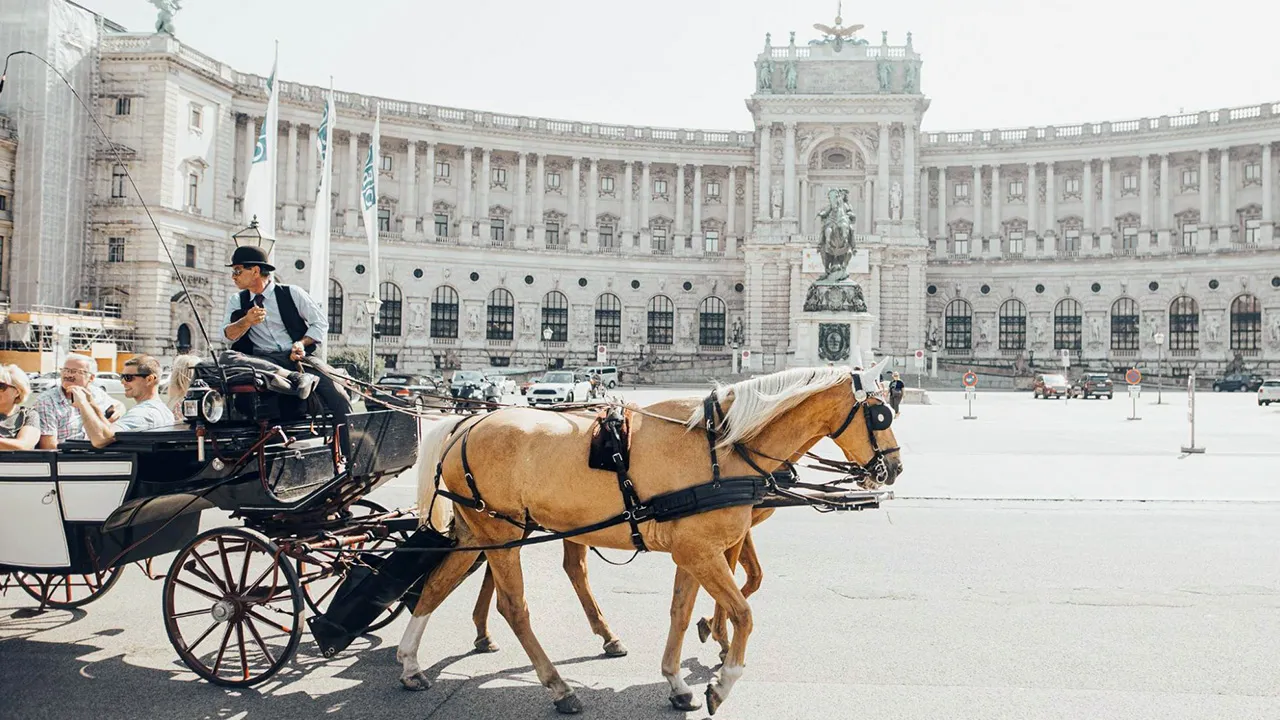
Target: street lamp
371 304
251 236
546 348
1159 338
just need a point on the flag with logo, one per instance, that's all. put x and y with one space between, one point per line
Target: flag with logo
319 280
260 186
369 200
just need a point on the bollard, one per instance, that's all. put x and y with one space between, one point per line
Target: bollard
1191 415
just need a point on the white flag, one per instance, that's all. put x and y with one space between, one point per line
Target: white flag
369 198
319 281
260 186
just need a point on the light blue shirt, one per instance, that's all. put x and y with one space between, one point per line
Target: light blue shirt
271 335
145 415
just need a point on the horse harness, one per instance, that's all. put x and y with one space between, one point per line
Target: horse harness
610 450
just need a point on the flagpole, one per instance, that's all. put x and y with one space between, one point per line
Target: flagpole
369 196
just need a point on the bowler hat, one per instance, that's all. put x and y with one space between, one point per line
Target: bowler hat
249 256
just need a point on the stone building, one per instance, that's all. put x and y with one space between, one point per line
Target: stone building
686 248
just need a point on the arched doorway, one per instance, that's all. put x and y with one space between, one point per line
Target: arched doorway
183 342
838 163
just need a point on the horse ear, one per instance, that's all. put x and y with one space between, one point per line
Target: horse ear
871 377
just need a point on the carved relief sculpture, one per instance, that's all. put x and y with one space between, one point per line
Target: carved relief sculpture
895 201
884 72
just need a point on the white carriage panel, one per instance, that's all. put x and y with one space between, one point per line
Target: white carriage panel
95 468
31 531
87 500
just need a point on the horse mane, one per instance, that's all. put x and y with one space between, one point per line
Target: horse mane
760 400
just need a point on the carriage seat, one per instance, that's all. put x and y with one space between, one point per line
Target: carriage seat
254 392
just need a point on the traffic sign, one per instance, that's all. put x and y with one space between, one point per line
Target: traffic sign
919 354
1066 358
602 354
970 380
1133 376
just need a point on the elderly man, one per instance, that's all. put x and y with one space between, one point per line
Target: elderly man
59 418
141 378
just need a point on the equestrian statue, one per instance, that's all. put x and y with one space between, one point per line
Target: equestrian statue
834 291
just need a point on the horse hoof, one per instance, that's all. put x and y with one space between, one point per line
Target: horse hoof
416 682
615 648
713 701
486 645
569 705
704 629
684 702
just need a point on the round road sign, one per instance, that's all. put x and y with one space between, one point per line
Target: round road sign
1133 377
970 380
919 354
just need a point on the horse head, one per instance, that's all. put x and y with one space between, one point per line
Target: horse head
863 427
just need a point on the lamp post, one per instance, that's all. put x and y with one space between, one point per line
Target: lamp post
546 348
371 304
1159 338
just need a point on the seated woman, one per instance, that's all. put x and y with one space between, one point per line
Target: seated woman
179 383
19 426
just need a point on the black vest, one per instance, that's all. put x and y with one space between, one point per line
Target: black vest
289 315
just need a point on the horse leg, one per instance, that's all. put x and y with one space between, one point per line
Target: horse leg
575 566
509 578
744 552
480 615
713 573
715 626
682 598
444 579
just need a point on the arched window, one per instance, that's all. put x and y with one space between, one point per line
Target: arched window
444 312
1067 325
1013 325
184 338
711 322
662 320
335 307
1125 330
1184 324
959 326
608 319
389 313
555 315
1246 323
501 315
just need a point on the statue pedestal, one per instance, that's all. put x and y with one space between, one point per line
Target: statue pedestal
839 337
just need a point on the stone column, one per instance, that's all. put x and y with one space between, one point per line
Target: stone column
351 196
696 225
1268 219
942 209
788 171
979 230
409 186
1225 224
996 228
646 191
1032 193
882 175
466 206
1206 209
908 177
575 203
1090 212
538 221
1144 192
731 206
1165 221
429 197
679 232
924 202
1051 199
593 195
521 203
868 205
748 217
1108 196
628 216
762 167
308 196
291 178
485 181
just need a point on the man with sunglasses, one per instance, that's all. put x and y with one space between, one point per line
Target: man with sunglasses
141 378
59 418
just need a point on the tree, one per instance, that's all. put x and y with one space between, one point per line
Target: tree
356 363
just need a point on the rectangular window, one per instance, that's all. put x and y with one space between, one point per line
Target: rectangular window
1189 232
1129 238
1071 186
197 117
191 256
711 241
1129 183
553 180
498 176
384 220
117 181
1252 173
1190 178
124 105
713 190
1252 232
607 238
1015 188
658 240
115 249
497 230
388 361
659 187
961 190
606 184
1071 241
961 244
496 361
4 203
193 190
386 163
986 245
442 225
1017 242
553 234
442 169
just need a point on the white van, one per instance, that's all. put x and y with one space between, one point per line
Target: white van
608 374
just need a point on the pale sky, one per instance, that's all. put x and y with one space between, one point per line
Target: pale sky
689 63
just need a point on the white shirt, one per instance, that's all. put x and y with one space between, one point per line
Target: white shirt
271 335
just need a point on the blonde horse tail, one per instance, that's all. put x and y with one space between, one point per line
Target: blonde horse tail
436 512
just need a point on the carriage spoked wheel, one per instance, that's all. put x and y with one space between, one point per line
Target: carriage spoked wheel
66 591
319 587
233 607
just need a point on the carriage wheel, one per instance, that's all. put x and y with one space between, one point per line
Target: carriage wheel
233 607
63 591
318 591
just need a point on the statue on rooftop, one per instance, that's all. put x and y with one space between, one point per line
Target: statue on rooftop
792 77
837 35
164 20
884 71
911 80
764 74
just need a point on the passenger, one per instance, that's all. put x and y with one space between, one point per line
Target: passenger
59 418
179 383
141 378
19 426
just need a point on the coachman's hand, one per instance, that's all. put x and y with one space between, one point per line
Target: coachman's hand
256 315
297 352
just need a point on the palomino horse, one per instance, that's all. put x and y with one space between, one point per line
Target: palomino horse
530 465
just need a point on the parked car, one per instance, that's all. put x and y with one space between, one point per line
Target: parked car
1096 385
559 386
524 386
608 374
1051 385
110 382
1237 382
1269 391
408 387
42 382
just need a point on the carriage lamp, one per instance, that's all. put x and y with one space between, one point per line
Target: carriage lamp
203 403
